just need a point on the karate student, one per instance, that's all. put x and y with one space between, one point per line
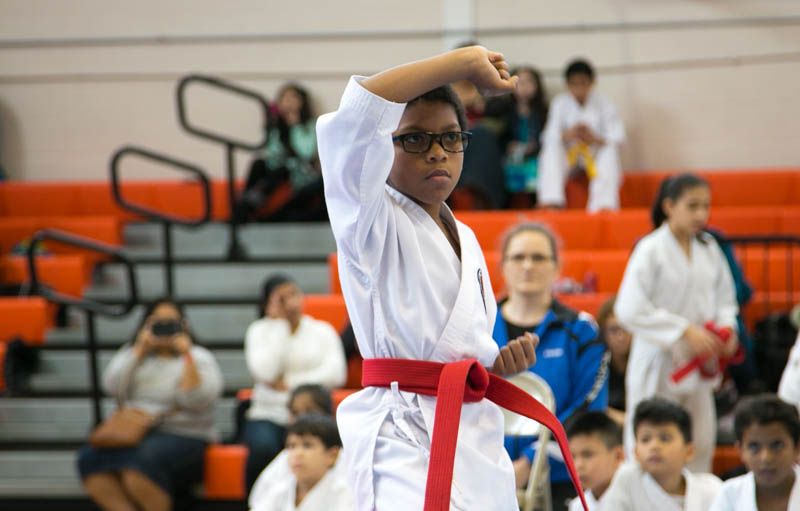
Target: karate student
583 128
767 434
676 280
596 444
312 446
657 480
789 387
414 279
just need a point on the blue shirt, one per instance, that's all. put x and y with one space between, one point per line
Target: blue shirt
573 361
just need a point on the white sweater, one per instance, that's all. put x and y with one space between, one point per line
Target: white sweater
312 354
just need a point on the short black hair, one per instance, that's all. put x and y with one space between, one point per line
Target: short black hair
447 95
579 67
319 394
319 425
595 423
661 412
764 409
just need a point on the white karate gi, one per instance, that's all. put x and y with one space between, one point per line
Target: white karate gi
408 296
276 473
331 493
789 388
600 115
632 489
662 292
739 494
593 503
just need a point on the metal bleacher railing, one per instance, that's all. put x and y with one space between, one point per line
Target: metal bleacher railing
766 242
90 307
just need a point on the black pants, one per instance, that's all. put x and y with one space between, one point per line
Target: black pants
306 204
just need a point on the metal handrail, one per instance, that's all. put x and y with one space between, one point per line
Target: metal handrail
91 307
235 249
196 171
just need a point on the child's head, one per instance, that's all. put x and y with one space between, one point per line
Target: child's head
281 297
313 444
579 75
684 201
310 398
595 441
615 336
530 87
530 259
427 167
663 432
767 433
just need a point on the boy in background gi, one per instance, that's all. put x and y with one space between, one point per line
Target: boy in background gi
595 441
767 433
658 480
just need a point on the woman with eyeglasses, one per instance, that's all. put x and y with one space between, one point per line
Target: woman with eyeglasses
570 357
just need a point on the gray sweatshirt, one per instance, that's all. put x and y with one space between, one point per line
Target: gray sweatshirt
152 385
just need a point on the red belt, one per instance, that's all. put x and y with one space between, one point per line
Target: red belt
454 383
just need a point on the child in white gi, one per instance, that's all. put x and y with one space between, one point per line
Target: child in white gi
414 279
582 128
676 280
595 441
312 446
767 434
657 480
789 387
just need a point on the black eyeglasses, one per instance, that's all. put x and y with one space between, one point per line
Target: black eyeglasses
422 141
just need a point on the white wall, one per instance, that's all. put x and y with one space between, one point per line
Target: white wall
701 84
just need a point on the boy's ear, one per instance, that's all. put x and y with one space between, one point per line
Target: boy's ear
690 451
619 453
332 453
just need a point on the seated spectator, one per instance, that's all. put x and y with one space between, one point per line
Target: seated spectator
658 479
164 373
522 117
583 131
767 433
595 441
618 341
290 156
304 399
569 356
284 349
312 446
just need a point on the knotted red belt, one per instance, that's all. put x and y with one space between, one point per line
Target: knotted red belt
454 383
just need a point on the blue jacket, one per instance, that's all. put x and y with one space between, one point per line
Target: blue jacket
573 361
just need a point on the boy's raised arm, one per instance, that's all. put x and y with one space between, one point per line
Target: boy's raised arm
486 69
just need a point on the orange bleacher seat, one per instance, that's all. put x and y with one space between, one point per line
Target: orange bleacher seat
763 304
338 396
330 308
64 273
639 188
609 266
752 187
726 458
745 220
23 317
771 270
789 220
587 302
622 229
224 476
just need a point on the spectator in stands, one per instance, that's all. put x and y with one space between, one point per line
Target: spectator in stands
570 357
290 156
618 341
583 131
163 372
305 399
677 280
312 446
284 349
522 117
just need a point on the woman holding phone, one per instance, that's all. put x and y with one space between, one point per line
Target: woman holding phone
165 374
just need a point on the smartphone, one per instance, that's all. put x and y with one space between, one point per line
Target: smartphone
166 327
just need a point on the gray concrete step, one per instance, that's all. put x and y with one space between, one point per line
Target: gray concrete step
39 474
70 419
68 371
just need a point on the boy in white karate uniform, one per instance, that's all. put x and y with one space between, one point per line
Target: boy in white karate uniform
676 280
414 279
789 387
582 124
595 441
312 447
767 434
658 479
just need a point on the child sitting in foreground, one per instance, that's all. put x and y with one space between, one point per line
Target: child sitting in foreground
658 480
767 433
596 444
312 444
